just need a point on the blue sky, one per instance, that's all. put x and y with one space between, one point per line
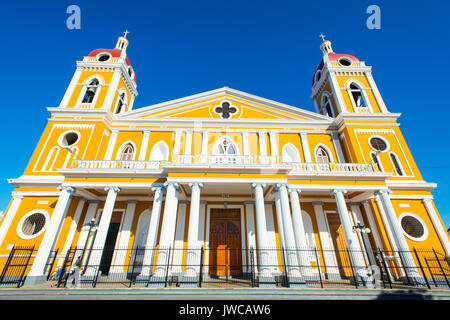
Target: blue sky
266 48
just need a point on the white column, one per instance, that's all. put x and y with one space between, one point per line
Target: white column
261 230
340 104
245 143
36 274
262 143
167 228
289 237
400 240
72 229
350 235
90 214
279 219
363 237
204 150
70 88
442 234
112 88
324 236
251 234
152 233
299 232
337 146
305 147
376 92
372 224
193 251
111 144
105 219
9 216
124 237
176 144
273 143
144 145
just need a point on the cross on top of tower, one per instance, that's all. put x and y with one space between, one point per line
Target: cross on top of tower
125 33
322 36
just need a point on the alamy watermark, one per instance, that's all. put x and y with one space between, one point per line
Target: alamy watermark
374 20
74 20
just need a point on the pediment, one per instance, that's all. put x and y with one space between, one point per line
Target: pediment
223 104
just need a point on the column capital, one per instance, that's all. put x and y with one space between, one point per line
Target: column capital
335 191
66 188
174 184
158 187
17 195
279 185
382 191
198 184
113 188
317 203
427 200
292 189
258 184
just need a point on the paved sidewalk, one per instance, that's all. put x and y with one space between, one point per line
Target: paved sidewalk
49 291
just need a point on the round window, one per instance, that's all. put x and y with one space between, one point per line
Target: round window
68 139
346 62
103 56
32 224
378 144
413 227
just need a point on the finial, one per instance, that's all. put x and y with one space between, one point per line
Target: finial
322 36
125 33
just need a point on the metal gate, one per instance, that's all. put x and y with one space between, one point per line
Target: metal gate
17 264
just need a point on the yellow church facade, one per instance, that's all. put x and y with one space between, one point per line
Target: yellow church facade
188 179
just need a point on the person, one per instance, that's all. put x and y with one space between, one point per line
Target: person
74 275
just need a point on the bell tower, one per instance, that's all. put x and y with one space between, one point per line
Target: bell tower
104 79
344 84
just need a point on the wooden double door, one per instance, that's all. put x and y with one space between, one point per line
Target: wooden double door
225 246
339 244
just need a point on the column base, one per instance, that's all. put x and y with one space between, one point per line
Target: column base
34 280
189 281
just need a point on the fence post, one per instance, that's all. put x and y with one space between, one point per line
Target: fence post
442 269
386 269
318 267
404 268
51 264
420 265
8 261
132 266
167 267
19 284
431 272
63 269
284 264
353 271
252 271
200 276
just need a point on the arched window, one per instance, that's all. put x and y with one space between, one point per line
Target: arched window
91 89
326 106
289 153
159 152
121 102
376 160
127 152
396 164
322 155
225 147
357 96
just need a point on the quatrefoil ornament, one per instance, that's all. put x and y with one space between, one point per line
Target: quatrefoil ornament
225 110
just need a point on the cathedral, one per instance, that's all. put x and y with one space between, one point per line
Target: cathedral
222 183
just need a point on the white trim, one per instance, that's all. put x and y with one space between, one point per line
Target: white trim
362 89
424 226
157 145
399 164
388 146
220 140
295 149
22 220
101 83
378 158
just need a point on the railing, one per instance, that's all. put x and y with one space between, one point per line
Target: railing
213 267
335 168
226 159
115 164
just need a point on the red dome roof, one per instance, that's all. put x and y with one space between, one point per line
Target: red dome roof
114 53
335 57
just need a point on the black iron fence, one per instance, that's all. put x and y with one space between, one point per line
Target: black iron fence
205 267
18 264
